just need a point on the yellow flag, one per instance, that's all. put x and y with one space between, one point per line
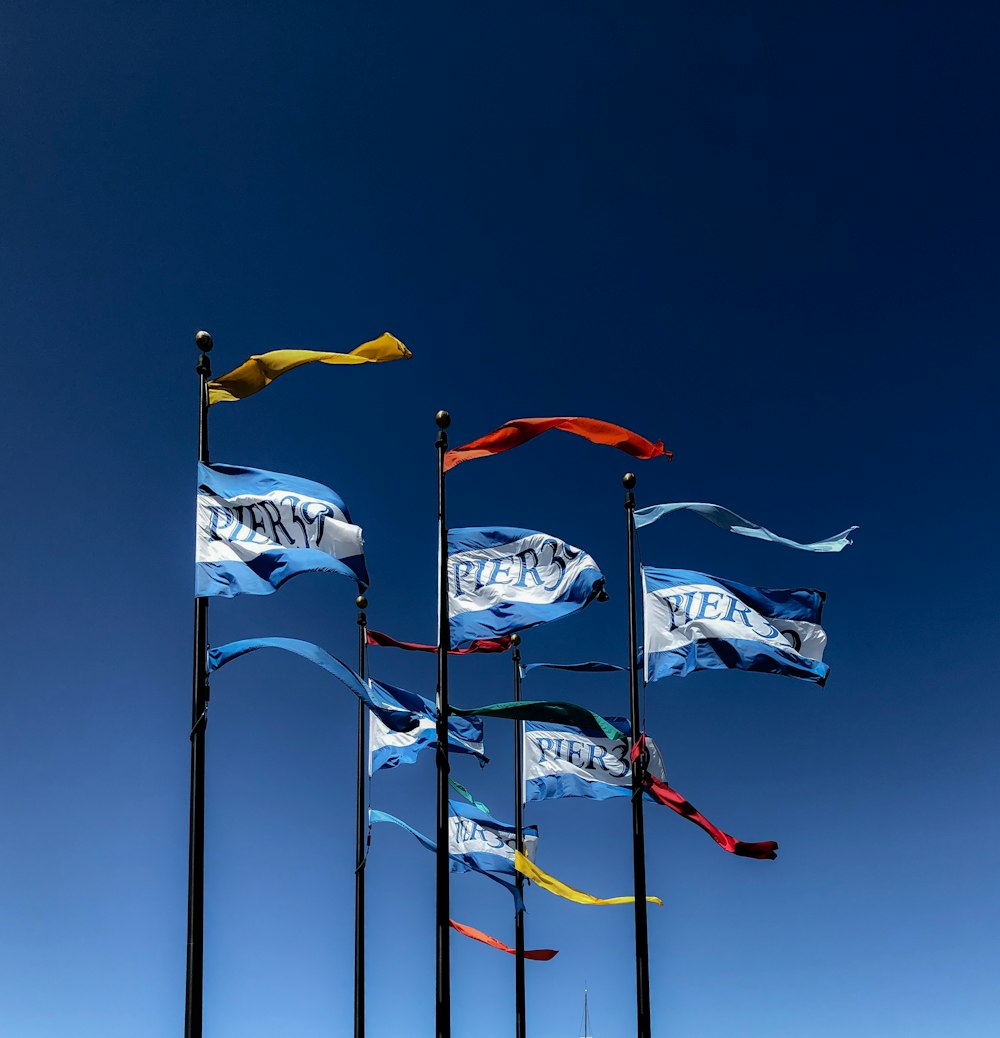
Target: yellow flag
261 370
560 889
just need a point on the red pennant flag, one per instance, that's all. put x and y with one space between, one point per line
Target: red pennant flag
482 645
520 430
539 954
663 794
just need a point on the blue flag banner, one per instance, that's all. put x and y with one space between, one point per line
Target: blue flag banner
590 667
567 761
692 621
473 845
257 529
727 520
505 579
397 710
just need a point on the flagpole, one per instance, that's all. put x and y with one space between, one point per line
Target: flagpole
519 1002
199 721
638 768
361 829
443 941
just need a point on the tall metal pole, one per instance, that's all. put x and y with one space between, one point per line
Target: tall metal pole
519 1008
361 829
638 770
443 990
199 720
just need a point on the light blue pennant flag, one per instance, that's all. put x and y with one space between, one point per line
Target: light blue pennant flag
506 579
406 718
257 529
727 520
695 622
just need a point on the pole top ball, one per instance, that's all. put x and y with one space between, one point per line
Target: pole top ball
515 639
203 341
443 419
361 602
628 480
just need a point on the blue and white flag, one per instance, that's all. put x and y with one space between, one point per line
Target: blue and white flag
478 842
391 743
475 844
726 519
256 529
504 579
565 761
694 622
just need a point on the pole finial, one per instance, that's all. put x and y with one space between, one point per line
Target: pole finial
628 481
361 602
443 419
515 639
203 341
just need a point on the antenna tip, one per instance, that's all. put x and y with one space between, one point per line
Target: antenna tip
361 602
203 341
443 419
628 480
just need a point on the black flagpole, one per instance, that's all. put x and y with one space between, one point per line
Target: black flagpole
199 720
638 768
519 1011
361 829
443 992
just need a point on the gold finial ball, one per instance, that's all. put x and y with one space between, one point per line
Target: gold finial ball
515 639
443 419
628 480
203 341
361 602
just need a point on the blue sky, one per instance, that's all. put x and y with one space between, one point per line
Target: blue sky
767 236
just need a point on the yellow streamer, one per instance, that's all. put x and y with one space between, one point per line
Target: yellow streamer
261 370
560 889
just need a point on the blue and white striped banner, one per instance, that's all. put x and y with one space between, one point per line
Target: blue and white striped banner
257 529
694 622
505 579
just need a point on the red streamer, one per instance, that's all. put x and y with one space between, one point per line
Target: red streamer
663 794
482 645
539 954
520 430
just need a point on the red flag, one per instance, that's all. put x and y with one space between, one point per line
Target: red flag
541 954
482 645
513 433
663 794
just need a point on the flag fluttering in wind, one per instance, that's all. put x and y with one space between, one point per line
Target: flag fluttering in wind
257 529
520 430
263 368
396 738
481 645
538 954
555 886
696 622
477 842
544 710
506 579
727 520
398 711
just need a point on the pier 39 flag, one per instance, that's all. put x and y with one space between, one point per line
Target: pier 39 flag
257 529
504 579
694 622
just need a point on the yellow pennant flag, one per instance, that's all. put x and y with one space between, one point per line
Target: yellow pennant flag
261 370
560 889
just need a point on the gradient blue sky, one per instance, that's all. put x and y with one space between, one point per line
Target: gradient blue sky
765 233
